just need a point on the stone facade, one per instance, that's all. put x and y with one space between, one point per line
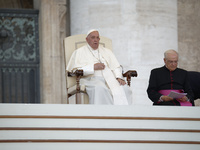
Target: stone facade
141 31
189 34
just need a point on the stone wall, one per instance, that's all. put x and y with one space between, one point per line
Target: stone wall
140 30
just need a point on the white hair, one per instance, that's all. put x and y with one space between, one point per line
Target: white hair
170 51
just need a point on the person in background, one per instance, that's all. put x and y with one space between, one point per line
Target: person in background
169 78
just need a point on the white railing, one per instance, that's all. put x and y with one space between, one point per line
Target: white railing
89 127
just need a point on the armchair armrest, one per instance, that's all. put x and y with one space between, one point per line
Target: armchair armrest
75 73
129 74
78 74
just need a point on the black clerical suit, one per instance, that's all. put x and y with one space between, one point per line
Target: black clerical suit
164 79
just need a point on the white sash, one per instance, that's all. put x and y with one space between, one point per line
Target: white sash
118 93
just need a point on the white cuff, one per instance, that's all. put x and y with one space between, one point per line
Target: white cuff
88 70
160 99
118 73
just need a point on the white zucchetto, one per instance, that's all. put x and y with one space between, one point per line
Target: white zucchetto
92 30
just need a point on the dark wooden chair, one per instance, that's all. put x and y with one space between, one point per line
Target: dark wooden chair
195 83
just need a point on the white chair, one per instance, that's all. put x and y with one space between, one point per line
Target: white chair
76 93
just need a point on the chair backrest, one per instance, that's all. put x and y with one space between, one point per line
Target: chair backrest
194 77
74 42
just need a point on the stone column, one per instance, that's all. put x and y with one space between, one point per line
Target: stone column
141 30
52 30
189 34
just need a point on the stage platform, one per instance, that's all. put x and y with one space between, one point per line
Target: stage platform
102 127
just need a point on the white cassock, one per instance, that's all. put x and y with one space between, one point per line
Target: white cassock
101 85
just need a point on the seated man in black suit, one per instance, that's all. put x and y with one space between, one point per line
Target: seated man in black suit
169 78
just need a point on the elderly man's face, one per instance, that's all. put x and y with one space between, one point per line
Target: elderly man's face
93 39
171 61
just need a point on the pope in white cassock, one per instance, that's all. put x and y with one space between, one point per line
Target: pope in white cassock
102 73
